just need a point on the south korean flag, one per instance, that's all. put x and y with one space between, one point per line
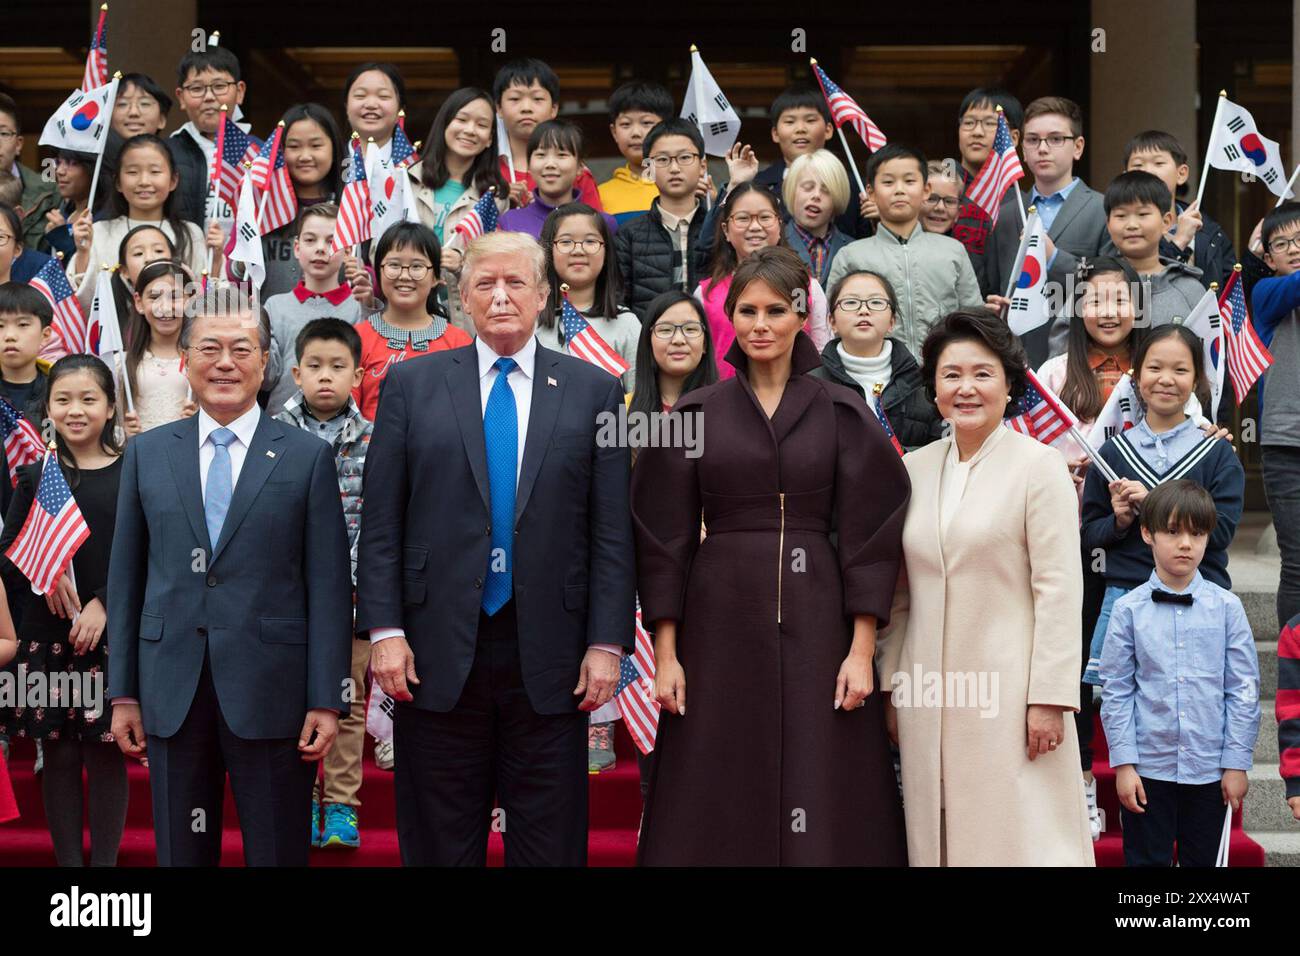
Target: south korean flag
391 199
707 108
248 238
1236 144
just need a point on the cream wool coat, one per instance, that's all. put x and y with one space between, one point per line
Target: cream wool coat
1001 595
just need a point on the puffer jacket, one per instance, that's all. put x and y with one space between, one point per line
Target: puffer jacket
645 258
911 414
349 458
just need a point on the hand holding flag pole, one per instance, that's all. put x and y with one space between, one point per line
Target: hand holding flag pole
216 173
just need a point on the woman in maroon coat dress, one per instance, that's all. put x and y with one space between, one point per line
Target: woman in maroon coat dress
783 759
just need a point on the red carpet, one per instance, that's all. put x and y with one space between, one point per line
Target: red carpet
615 812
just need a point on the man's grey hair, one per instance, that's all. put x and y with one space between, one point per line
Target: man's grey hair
221 300
500 243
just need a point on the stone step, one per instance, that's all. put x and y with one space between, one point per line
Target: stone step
1280 849
1265 806
1261 611
1267 668
1266 743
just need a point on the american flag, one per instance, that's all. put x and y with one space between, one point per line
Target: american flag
1001 168
403 154
586 343
635 690
353 226
23 443
271 176
884 419
69 322
845 110
234 149
1247 356
1040 413
52 533
97 58
482 218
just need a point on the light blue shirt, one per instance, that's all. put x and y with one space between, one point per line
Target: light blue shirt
1165 449
1049 206
1180 685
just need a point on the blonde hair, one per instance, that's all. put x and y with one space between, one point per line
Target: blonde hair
826 168
500 243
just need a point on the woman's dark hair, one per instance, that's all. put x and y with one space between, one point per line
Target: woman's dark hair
315 113
780 268
69 365
417 236
984 328
834 296
484 172
1183 504
724 256
121 294
647 397
138 333
609 284
15 224
146 84
389 70
118 205
1080 392
1189 338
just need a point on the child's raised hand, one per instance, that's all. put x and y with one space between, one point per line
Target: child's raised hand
1136 494
1215 431
1128 785
63 600
705 189
1119 504
83 230
188 409
1189 224
131 422
867 207
451 259
1234 786
996 303
519 194
55 219
352 269
742 164
1256 242
215 238
362 290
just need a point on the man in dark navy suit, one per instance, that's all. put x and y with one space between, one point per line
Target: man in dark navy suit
229 605
495 575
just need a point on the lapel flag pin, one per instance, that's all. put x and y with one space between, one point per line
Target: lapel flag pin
270 454
552 382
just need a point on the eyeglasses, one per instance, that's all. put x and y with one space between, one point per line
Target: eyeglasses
666 330
853 304
948 202
417 270
970 122
589 246
1283 244
5 240
7 134
198 90
1056 141
765 219
684 160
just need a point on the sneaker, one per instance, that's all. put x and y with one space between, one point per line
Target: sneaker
1094 812
315 823
340 826
384 754
600 747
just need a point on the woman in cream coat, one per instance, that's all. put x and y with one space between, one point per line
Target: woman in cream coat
984 657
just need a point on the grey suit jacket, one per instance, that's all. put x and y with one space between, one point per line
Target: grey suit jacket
1079 229
270 604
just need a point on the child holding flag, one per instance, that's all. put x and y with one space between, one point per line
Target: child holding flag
154 366
579 255
555 161
206 80
63 629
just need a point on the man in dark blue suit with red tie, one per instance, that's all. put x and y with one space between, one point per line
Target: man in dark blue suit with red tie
495 575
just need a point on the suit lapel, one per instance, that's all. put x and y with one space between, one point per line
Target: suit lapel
543 412
1069 209
183 453
261 460
467 403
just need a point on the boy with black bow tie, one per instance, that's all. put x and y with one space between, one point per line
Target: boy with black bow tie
1180 699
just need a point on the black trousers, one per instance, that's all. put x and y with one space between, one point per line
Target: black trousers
187 775
1189 814
1281 467
492 744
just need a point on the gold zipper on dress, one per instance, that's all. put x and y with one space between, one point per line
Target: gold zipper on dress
780 565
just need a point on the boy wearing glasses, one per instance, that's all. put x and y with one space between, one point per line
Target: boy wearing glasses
1073 215
931 274
38 197
939 213
977 124
1275 311
319 294
666 249
205 82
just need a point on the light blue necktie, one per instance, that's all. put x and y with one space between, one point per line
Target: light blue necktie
220 483
501 436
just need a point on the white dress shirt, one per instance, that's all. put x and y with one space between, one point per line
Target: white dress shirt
521 383
244 426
